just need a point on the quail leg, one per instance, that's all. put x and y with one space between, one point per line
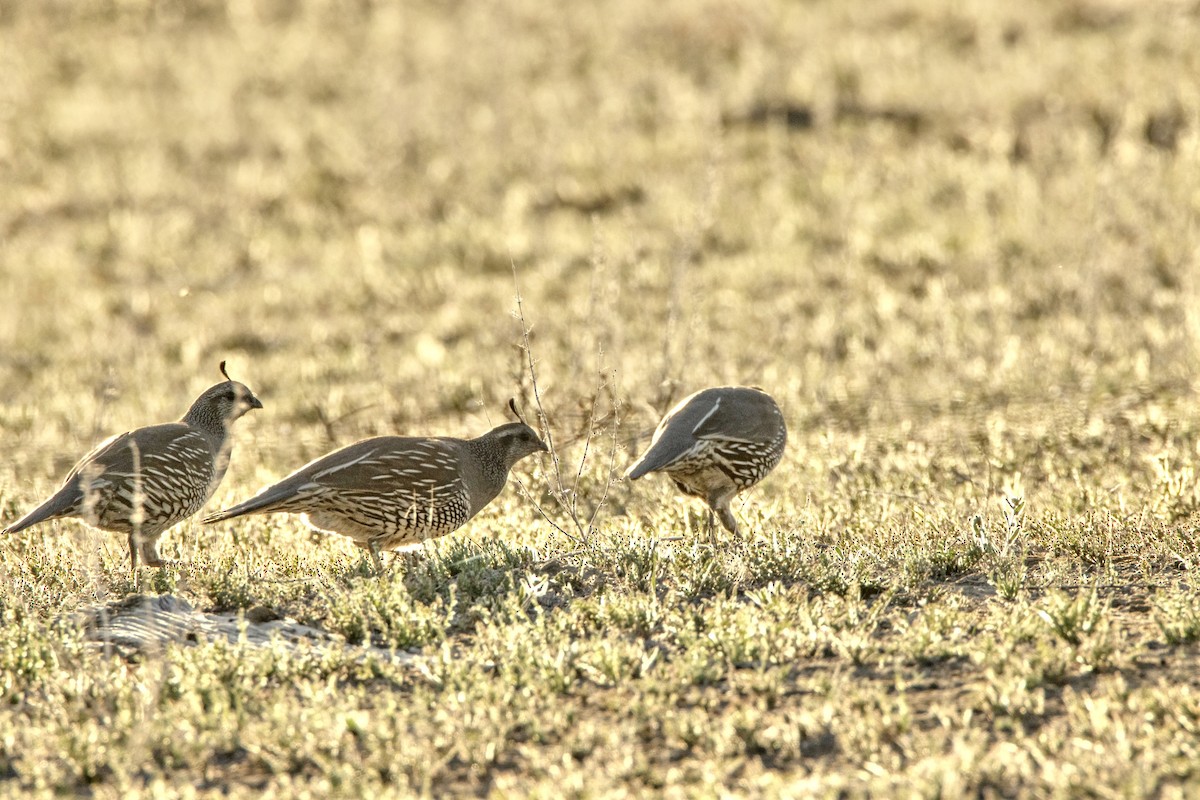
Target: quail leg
133 560
149 550
373 546
727 520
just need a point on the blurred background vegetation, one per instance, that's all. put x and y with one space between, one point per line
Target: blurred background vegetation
866 204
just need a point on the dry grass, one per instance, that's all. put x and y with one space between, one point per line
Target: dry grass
957 242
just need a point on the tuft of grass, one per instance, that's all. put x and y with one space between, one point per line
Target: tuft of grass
1178 617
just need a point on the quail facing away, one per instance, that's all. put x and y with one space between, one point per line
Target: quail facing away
392 491
144 481
716 443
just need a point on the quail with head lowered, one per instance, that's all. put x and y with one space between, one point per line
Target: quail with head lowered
143 482
716 443
395 491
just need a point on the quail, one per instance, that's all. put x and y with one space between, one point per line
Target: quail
144 481
394 491
716 443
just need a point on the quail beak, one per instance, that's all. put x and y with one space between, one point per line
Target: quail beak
254 402
542 446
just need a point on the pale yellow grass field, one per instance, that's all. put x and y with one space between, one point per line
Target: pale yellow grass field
958 243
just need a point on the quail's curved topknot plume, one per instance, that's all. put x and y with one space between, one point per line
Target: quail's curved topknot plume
392 491
716 443
143 482
512 406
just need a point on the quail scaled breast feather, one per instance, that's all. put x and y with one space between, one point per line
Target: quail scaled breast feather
392 491
715 444
144 481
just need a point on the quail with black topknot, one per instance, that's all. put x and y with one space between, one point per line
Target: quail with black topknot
145 481
389 492
715 444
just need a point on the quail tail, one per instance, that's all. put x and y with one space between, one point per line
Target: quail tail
649 462
61 504
262 503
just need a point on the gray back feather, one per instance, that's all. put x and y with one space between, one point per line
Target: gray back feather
178 464
385 465
720 414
